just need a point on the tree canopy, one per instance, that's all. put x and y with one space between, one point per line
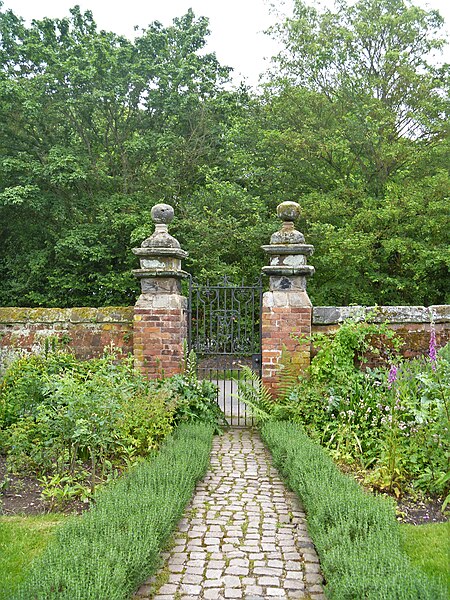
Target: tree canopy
353 123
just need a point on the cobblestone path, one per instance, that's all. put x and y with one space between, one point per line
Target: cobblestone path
243 535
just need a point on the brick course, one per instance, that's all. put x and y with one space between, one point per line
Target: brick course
159 335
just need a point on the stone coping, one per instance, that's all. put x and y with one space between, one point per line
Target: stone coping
322 315
150 273
329 315
286 270
107 314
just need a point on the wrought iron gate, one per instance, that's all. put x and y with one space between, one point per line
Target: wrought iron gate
225 334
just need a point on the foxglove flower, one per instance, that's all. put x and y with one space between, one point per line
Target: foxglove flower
392 377
432 352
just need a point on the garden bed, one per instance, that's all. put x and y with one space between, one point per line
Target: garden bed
22 495
410 508
68 426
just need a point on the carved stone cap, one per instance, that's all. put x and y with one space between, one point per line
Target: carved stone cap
288 251
163 251
162 213
288 211
287 235
160 254
161 238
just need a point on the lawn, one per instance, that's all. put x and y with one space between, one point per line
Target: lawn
428 547
21 539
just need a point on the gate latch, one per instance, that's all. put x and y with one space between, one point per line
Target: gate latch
256 362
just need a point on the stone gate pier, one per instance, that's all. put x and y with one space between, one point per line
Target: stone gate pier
286 314
161 311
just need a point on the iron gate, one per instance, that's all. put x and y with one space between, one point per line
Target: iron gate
225 334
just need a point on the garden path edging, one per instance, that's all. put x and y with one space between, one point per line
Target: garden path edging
243 535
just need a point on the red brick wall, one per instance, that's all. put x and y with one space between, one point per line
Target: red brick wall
159 331
86 330
416 338
411 323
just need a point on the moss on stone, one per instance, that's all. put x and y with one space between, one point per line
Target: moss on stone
84 314
121 314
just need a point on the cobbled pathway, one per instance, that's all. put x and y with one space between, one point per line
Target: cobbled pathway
243 535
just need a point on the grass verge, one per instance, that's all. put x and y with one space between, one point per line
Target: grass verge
21 540
428 547
356 534
107 552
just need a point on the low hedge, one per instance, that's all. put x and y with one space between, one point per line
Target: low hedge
107 552
356 534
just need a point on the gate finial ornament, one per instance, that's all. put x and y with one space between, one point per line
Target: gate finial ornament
160 255
288 252
286 311
162 213
288 211
160 313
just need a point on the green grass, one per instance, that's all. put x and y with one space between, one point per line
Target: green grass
428 547
21 540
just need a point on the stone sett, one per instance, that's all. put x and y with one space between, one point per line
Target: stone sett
258 554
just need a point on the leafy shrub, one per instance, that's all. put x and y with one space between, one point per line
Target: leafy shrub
356 534
110 550
22 387
99 411
143 425
77 423
196 401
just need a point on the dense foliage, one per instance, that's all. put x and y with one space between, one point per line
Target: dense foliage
355 534
353 123
393 423
76 424
114 547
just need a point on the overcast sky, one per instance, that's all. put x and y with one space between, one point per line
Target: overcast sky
236 25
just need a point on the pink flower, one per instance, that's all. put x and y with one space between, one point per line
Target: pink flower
432 353
392 377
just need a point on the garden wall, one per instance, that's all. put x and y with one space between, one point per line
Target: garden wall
85 330
88 330
412 323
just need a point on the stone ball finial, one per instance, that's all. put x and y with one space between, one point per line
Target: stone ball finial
288 211
162 213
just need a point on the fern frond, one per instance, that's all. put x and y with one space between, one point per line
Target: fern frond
288 372
255 395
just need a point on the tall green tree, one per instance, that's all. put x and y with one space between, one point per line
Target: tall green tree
95 130
354 124
371 62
